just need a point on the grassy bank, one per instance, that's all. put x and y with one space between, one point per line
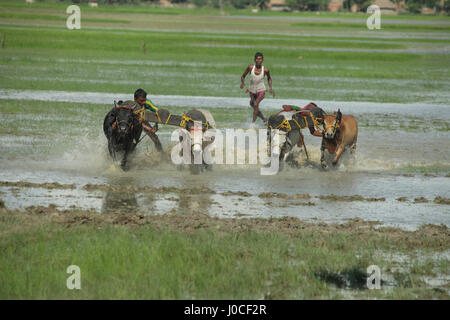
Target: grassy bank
130 256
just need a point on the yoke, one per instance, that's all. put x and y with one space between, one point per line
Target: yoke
163 116
300 120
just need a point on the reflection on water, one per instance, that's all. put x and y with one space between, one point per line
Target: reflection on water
119 201
122 199
194 204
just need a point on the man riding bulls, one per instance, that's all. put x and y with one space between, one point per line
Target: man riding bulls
140 98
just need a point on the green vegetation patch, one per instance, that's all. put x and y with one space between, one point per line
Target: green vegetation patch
362 26
179 256
32 16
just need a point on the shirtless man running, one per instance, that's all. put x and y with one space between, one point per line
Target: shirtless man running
257 88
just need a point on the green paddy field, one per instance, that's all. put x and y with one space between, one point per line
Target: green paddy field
158 233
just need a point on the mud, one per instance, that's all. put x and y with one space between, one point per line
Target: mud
300 196
429 175
440 200
429 236
16 189
241 215
283 195
102 187
421 200
333 197
47 185
236 193
300 203
273 195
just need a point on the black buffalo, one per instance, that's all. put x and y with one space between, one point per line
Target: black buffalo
123 131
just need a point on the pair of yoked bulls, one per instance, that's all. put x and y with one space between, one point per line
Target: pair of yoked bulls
123 128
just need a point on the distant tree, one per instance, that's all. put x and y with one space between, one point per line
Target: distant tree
365 4
308 5
200 3
241 4
414 6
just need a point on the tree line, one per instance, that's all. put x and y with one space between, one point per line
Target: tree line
413 6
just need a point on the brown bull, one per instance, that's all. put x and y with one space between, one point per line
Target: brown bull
340 132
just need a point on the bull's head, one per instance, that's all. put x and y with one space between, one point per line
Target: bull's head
124 120
196 132
332 123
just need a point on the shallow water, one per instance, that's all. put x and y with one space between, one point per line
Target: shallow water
403 151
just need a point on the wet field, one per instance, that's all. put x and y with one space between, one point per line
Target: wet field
400 175
158 232
56 86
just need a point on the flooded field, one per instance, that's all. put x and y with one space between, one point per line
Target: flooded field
56 87
156 231
55 153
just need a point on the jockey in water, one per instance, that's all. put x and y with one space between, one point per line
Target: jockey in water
140 97
257 88
311 109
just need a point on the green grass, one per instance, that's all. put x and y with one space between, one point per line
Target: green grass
207 55
125 262
89 60
120 263
384 26
27 16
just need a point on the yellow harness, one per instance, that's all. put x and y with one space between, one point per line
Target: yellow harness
286 125
316 122
140 113
283 125
184 119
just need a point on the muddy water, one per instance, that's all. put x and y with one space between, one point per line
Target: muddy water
403 151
